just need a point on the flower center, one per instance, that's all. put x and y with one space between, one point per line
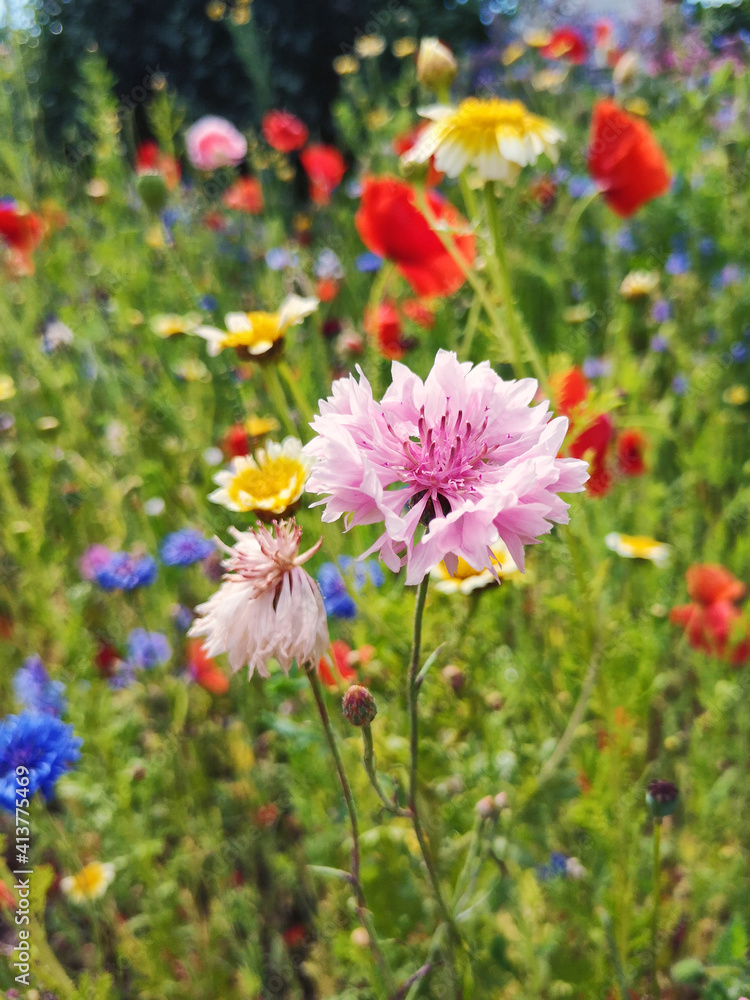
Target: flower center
274 477
480 123
264 327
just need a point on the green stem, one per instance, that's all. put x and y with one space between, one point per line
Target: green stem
655 914
620 977
300 401
519 336
276 392
412 696
368 759
576 717
362 911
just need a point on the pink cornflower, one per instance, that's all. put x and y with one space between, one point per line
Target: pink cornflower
213 142
461 453
268 607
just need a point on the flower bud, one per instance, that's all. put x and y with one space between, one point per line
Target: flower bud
661 798
486 807
454 676
436 64
153 192
358 706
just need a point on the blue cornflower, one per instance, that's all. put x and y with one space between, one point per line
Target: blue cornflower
363 572
278 258
738 352
208 302
661 311
659 344
183 617
185 547
581 186
42 746
677 263
328 266
558 865
126 572
624 239
36 691
337 601
368 262
679 385
123 676
706 247
730 275
147 650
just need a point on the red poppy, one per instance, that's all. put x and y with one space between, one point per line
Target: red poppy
149 159
712 623
568 44
625 159
631 445
390 225
106 659
588 436
406 140
245 195
22 232
383 324
236 442
204 670
327 289
709 582
284 131
295 935
342 657
325 167
419 313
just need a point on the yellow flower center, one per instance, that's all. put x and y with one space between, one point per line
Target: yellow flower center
641 546
478 124
279 479
264 328
89 879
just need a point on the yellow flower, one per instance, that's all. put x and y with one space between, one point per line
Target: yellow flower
466 578
7 388
537 38
511 53
638 284
436 64
216 10
91 882
255 333
257 427
497 137
344 65
269 482
404 47
170 324
369 46
550 80
736 395
638 547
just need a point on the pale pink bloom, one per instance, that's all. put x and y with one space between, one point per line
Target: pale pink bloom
214 142
268 607
462 453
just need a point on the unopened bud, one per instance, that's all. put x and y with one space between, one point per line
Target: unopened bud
153 192
661 798
359 706
436 64
454 676
486 807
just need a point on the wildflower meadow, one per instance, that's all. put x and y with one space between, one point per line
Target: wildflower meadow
375 493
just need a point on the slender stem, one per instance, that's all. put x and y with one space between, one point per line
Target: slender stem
276 392
300 401
414 978
413 692
655 914
620 977
362 911
576 717
519 336
368 759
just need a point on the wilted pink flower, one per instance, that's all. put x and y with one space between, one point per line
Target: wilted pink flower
461 453
214 142
268 606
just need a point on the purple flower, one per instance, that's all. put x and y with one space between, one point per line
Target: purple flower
328 266
94 560
123 676
182 617
147 650
738 351
659 344
624 239
596 367
278 258
36 747
185 547
461 454
126 572
661 311
730 275
365 572
36 691
679 385
581 186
